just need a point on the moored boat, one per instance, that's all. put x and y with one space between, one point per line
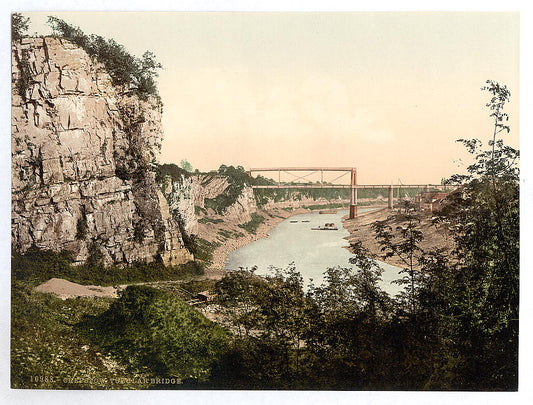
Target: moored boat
326 227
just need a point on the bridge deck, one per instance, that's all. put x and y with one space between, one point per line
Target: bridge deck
374 186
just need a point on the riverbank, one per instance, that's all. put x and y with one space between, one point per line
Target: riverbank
272 217
360 229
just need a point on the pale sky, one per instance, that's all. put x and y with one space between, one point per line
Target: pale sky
388 93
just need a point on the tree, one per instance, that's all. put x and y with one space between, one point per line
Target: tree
128 71
19 26
403 243
185 165
482 311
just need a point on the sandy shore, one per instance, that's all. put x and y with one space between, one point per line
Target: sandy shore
272 218
360 229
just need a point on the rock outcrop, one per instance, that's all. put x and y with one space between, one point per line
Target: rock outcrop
187 195
82 153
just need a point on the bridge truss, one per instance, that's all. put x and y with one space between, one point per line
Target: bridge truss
352 185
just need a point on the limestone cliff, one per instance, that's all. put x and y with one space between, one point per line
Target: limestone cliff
187 195
82 154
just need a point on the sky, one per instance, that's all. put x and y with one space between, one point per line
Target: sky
388 93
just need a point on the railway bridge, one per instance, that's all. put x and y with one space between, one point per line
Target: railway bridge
352 185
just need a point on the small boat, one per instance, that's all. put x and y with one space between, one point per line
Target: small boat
306 220
326 227
293 222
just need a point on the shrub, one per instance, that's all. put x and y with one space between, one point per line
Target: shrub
158 333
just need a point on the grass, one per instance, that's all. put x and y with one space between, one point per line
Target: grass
252 225
207 220
155 332
325 206
46 350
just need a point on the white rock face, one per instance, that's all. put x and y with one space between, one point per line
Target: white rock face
81 156
187 194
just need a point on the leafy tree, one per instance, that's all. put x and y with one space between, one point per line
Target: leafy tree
482 317
268 313
19 26
403 243
185 165
125 70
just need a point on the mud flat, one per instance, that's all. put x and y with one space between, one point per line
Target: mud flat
360 229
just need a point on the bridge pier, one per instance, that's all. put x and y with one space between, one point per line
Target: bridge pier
390 199
353 194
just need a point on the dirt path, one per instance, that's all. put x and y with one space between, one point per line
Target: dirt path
65 289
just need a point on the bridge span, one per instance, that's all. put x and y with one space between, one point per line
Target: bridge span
352 185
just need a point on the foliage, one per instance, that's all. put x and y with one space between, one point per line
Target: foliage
125 70
185 165
483 315
203 251
268 313
403 242
25 75
19 26
252 225
46 351
82 227
176 173
153 331
237 179
454 328
38 265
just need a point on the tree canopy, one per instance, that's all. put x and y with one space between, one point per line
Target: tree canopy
137 74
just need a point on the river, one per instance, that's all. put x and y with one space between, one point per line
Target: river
312 251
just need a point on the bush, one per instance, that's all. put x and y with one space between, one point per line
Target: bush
44 343
252 225
154 331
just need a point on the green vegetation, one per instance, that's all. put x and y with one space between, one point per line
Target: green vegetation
203 251
325 206
176 173
19 26
252 225
81 227
207 220
124 69
185 165
237 179
25 75
159 334
38 265
454 327
46 350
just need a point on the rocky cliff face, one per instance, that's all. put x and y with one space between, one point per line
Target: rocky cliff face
82 151
186 197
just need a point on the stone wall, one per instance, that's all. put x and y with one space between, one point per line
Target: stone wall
82 153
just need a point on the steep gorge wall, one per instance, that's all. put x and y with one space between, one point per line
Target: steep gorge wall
82 152
187 195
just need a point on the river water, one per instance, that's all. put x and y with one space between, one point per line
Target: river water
312 251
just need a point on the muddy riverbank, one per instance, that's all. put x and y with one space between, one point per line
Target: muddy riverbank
360 229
